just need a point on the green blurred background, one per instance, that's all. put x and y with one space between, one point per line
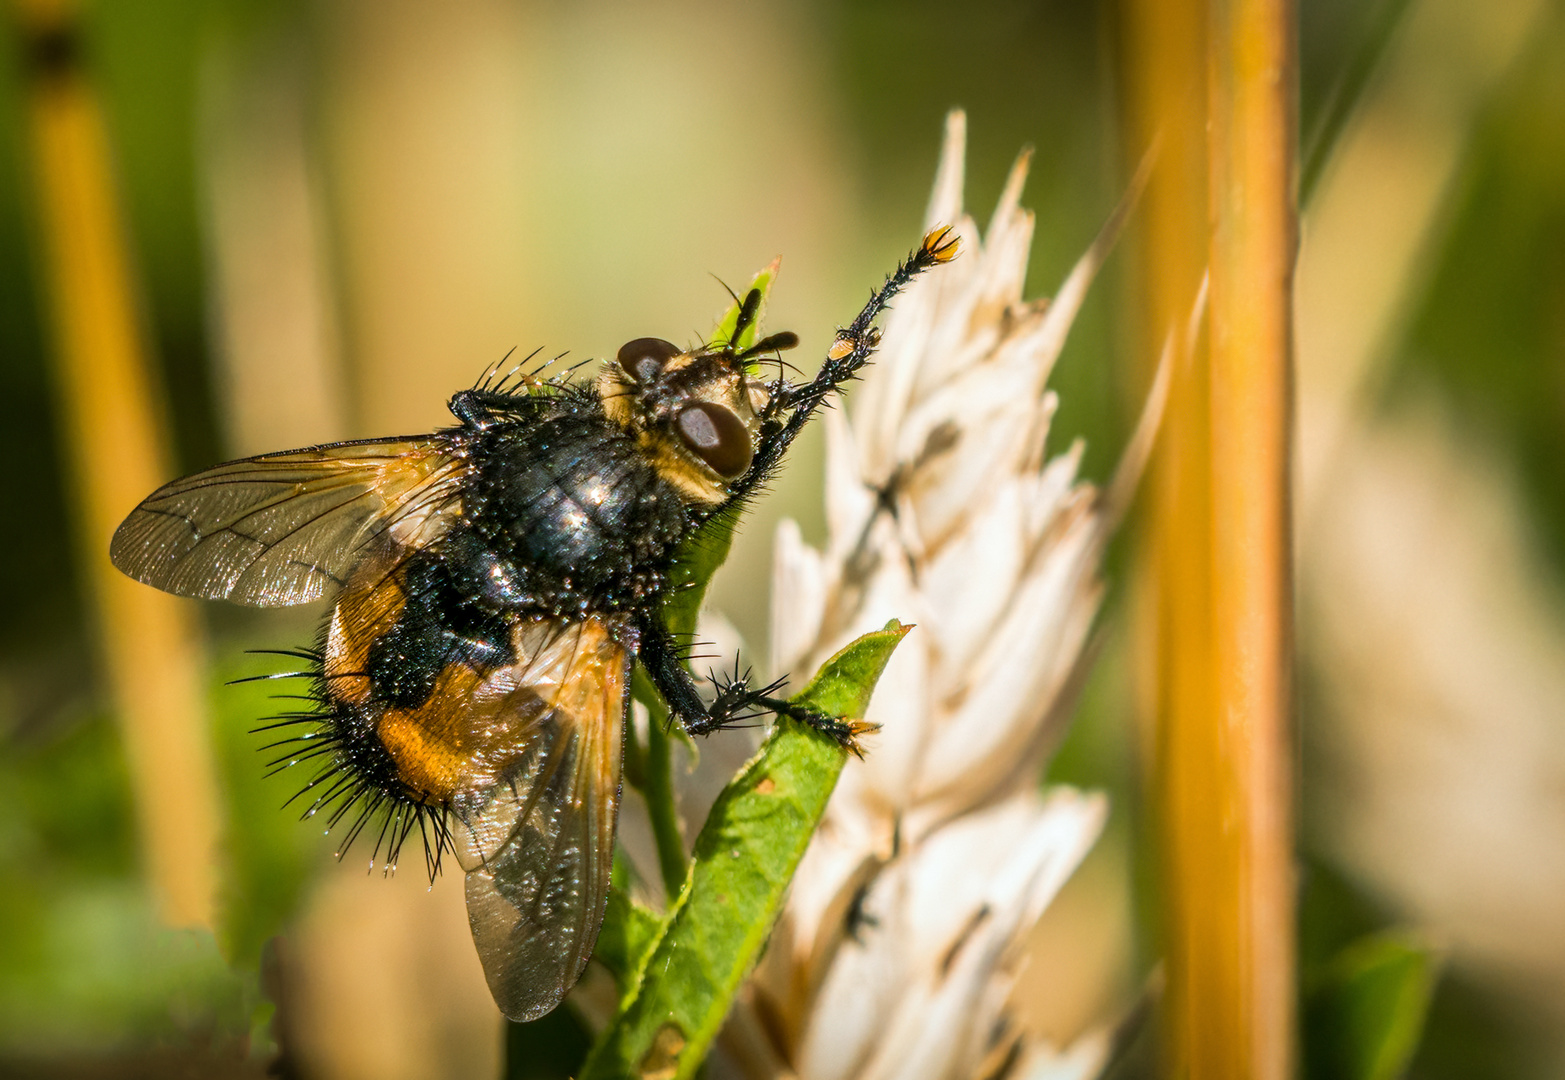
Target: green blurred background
340 212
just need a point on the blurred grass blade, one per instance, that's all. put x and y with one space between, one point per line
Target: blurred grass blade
1252 72
1220 202
1364 1017
744 859
1382 22
117 450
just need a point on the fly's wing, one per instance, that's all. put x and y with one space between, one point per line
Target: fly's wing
279 528
540 845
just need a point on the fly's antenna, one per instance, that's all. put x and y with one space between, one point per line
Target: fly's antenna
747 312
777 342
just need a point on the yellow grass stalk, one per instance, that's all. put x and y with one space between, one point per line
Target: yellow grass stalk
1214 86
117 452
1251 137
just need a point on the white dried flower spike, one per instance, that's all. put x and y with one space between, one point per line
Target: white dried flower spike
900 942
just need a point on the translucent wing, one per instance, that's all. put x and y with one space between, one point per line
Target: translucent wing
279 528
539 846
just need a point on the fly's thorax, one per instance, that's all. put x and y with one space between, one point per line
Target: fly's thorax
567 514
696 415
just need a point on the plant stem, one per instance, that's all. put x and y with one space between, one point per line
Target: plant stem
1251 137
657 788
1214 86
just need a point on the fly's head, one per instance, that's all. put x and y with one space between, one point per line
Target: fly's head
697 414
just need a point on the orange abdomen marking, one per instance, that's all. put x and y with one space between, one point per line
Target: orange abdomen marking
478 724
477 727
366 610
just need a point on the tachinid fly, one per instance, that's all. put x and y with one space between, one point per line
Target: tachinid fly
492 585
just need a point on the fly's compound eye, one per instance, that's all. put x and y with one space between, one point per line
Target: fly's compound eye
716 436
645 357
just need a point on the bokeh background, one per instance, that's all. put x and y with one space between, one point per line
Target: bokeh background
337 213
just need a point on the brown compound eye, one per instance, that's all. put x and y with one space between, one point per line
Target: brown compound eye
645 357
716 436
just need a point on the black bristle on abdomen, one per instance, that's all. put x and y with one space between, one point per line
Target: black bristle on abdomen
354 779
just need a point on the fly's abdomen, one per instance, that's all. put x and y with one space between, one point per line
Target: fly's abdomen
428 703
414 699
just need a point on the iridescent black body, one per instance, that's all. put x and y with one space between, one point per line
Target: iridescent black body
564 514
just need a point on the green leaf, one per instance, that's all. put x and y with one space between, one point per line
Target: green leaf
744 859
843 685
1364 1014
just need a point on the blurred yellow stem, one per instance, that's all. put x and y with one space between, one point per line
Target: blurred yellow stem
1213 83
117 453
1251 136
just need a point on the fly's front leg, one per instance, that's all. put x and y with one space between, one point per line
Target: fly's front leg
854 345
738 700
